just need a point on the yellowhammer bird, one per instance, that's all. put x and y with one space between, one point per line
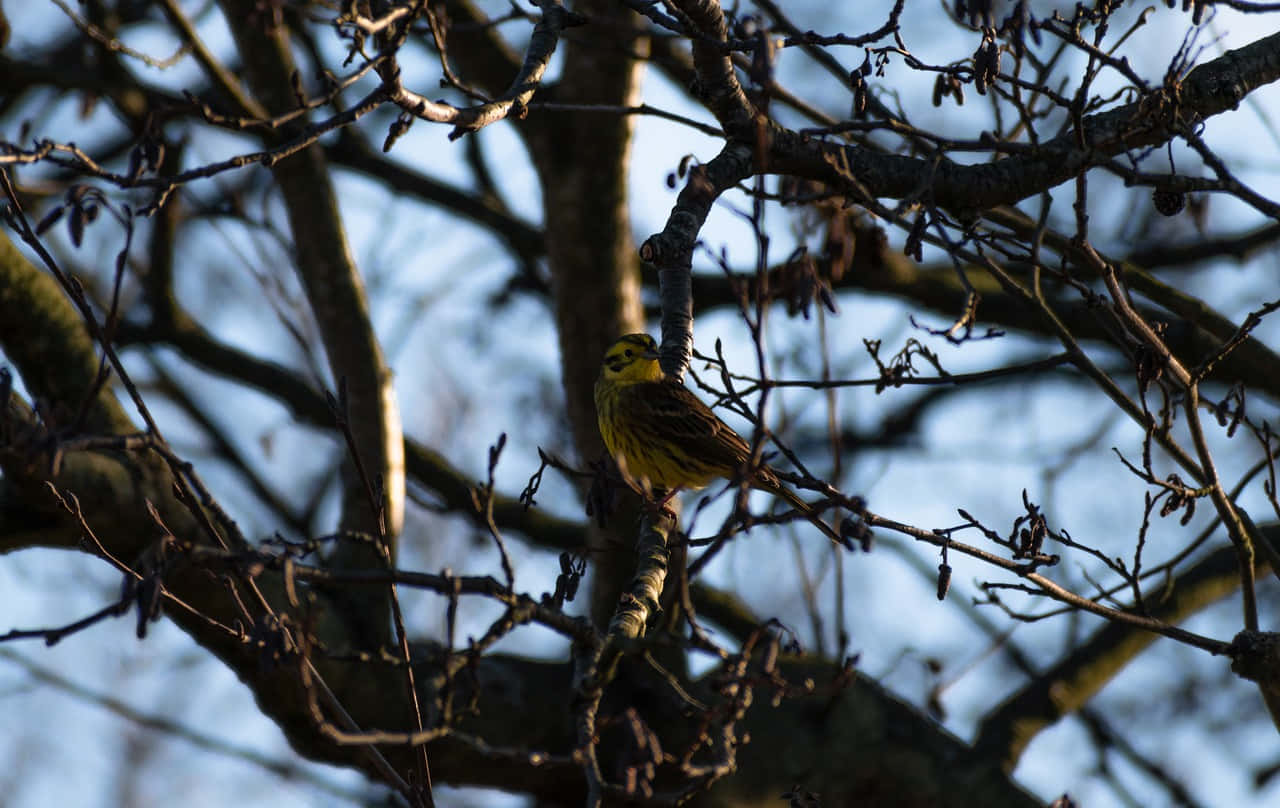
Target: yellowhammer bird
664 437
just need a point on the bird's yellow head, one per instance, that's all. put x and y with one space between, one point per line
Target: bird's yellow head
633 358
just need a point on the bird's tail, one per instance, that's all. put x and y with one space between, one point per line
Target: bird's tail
808 511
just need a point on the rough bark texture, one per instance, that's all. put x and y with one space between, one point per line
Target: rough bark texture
336 293
595 272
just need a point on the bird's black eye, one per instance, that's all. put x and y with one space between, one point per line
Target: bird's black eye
627 353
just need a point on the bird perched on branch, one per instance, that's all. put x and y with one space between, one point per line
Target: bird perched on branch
665 439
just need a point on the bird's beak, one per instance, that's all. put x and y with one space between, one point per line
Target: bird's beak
650 355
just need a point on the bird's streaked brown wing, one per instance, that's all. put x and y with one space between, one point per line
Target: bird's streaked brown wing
679 417
692 437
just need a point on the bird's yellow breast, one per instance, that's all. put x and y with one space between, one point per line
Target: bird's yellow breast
642 455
